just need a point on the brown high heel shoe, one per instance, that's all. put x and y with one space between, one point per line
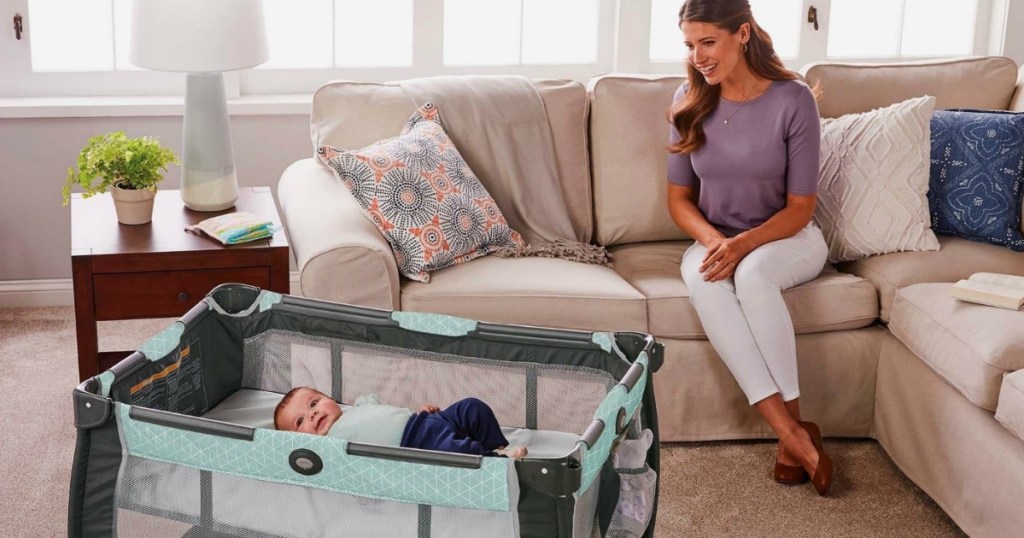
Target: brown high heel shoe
822 476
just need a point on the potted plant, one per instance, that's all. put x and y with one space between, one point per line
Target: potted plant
129 167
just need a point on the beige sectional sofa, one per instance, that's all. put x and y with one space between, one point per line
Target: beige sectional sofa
875 345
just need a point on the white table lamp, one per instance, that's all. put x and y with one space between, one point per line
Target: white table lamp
203 38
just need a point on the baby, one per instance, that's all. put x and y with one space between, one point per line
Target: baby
468 426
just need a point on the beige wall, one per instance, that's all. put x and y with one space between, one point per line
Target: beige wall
35 233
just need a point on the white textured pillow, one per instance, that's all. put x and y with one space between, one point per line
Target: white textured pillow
873 186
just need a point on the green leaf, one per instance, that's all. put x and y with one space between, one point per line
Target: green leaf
112 158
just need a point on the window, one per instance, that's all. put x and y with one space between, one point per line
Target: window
524 32
80 47
854 30
323 34
901 28
779 18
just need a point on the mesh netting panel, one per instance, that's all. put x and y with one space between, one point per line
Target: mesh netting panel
152 493
559 398
160 499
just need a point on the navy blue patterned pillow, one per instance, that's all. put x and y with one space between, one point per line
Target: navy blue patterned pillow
977 170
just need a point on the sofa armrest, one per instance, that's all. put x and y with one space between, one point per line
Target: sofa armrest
341 255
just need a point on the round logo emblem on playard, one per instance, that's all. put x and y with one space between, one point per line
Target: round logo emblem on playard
305 462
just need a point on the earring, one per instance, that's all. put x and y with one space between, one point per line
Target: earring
744 48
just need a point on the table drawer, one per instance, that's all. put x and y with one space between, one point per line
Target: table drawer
164 293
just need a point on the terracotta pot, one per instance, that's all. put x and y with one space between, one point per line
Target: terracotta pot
133 206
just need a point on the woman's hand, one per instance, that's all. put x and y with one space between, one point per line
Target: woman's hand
429 408
723 256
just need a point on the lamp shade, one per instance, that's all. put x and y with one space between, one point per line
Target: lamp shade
198 36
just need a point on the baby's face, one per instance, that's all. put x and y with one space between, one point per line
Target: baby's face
309 411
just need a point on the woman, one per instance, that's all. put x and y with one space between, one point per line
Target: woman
743 177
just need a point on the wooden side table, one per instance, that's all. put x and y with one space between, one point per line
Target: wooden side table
157 269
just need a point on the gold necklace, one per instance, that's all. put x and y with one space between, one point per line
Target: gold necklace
743 102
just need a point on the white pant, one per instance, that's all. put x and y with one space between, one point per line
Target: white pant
745 317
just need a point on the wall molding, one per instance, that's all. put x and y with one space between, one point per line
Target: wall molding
60 292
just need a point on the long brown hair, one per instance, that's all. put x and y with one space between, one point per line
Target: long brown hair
701 98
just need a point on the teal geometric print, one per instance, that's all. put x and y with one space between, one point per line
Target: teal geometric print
434 323
269 299
605 340
106 380
618 398
164 342
266 458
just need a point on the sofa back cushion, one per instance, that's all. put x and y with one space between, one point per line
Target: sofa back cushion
353 115
982 83
629 136
988 83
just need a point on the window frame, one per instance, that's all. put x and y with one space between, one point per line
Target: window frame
428 59
18 80
992 14
623 46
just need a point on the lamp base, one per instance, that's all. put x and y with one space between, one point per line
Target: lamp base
208 180
209 190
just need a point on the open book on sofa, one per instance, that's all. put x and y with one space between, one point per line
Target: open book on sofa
992 289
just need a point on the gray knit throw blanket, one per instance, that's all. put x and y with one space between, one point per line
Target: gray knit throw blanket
501 128
559 248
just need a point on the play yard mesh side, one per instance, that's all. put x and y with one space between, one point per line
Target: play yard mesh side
147 464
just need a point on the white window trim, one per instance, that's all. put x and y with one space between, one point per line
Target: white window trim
623 47
428 59
990 37
18 80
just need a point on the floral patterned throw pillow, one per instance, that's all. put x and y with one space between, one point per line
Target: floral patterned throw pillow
423 197
977 175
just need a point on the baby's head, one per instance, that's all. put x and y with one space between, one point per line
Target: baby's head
306 410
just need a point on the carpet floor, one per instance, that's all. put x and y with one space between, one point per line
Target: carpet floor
707 489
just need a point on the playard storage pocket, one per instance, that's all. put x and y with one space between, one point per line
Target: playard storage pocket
635 506
177 438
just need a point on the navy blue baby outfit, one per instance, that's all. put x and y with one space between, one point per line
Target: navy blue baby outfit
468 427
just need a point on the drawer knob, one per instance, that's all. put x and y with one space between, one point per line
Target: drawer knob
183 296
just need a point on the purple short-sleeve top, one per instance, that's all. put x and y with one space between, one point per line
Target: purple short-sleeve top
769 148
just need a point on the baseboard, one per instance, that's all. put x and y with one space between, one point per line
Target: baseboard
48 292
60 292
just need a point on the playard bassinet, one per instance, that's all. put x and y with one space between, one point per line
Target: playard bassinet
178 440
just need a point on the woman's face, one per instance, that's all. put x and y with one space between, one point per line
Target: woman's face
713 51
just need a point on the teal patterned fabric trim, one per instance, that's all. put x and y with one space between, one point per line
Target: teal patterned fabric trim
266 458
434 323
106 379
595 456
164 342
269 299
605 340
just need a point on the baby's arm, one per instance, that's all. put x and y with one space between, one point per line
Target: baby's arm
429 408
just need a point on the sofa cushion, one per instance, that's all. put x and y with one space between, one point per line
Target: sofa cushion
629 143
423 197
873 185
971 346
531 291
976 175
986 83
653 268
957 259
1010 409
350 114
